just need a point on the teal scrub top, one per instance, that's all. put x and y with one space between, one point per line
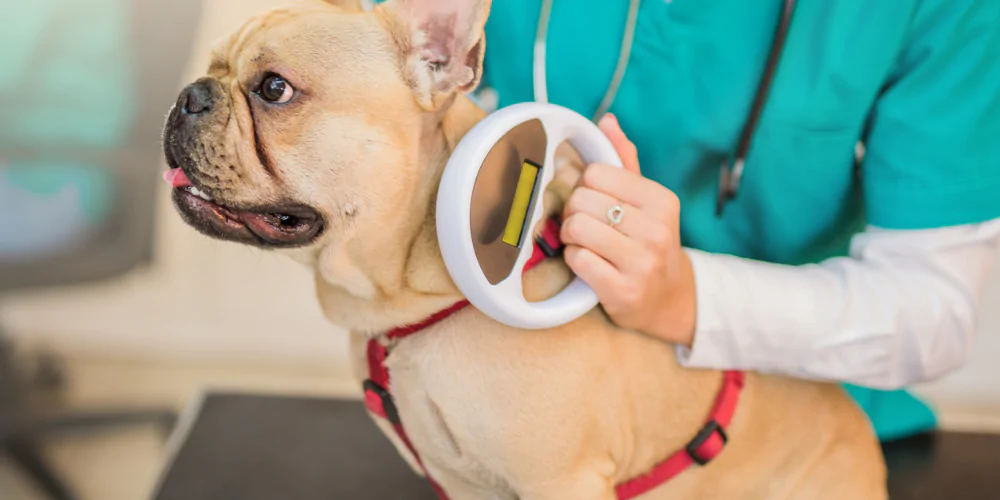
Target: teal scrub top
917 81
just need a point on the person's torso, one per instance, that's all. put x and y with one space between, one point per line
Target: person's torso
694 69
691 79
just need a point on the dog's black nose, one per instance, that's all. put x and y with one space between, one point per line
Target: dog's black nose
196 99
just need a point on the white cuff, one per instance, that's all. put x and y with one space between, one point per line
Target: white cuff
714 345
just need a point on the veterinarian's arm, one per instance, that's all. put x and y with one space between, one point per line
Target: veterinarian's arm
901 309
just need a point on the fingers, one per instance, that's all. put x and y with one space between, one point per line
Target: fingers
650 197
601 239
596 205
635 224
596 272
628 184
623 146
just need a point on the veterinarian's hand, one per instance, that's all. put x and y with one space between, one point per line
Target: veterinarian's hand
637 268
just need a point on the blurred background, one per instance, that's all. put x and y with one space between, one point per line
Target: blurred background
113 314
109 305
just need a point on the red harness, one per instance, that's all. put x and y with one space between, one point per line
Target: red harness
705 446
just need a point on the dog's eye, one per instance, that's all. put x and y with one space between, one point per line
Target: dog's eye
275 89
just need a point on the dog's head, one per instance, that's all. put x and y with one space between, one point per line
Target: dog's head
316 122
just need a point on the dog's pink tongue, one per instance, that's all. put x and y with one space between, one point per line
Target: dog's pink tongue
176 178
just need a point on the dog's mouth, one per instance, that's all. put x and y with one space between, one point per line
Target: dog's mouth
266 226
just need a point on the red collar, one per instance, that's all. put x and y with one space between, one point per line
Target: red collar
547 245
705 446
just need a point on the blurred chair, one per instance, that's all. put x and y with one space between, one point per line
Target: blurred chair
84 86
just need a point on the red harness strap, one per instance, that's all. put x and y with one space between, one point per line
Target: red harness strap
705 446
379 400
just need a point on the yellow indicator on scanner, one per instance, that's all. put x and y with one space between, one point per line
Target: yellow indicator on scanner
522 201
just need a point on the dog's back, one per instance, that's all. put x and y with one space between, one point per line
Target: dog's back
588 402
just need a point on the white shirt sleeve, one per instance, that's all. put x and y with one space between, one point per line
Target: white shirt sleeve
900 309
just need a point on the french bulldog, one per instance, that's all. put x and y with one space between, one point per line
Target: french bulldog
321 131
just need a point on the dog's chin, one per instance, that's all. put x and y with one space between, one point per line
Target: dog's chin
267 226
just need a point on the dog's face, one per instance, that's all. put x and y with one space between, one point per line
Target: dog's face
312 122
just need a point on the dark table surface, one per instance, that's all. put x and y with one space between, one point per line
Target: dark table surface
247 447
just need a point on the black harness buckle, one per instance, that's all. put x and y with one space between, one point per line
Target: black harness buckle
388 406
711 427
547 249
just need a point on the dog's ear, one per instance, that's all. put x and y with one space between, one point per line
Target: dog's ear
442 45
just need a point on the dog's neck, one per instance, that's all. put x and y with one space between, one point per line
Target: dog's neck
398 277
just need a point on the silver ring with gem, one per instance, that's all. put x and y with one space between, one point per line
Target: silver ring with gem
615 215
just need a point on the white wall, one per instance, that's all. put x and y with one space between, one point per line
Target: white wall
978 382
201 299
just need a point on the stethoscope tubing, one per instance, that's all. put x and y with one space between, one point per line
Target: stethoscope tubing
732 168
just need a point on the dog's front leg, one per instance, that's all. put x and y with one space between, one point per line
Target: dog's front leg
359 368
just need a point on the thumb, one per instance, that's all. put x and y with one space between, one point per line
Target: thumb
624 147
